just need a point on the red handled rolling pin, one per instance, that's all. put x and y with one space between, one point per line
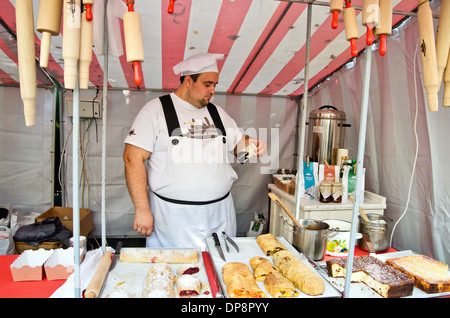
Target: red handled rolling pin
336 8
384 27
351 27
133 41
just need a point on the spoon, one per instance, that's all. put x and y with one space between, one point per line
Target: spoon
274 198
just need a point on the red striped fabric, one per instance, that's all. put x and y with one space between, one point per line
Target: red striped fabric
173 39
233 17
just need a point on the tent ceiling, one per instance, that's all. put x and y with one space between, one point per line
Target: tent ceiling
264 42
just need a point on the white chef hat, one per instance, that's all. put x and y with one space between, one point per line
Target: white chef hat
198 63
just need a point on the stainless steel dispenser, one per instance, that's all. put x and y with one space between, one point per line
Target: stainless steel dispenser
326 133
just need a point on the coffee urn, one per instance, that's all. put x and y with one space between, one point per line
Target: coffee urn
326 133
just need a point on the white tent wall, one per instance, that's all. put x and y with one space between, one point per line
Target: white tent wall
268 118
391 142
26 153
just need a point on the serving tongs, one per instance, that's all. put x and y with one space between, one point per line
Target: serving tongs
227 238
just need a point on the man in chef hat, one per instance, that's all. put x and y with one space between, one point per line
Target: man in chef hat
183 195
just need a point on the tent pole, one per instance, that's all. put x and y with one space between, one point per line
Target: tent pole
105 106
299 189
75 185
359 169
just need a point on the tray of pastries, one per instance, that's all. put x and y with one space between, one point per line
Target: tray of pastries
389 275
267 267
158 273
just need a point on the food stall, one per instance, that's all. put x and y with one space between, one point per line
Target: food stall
248 246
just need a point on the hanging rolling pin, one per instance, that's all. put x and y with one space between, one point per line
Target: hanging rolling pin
171 9
443 39
27 58
335 8
133 41
86 39
370 18
351 27
446 101
95 285
384 28
428 53
48 23
71 42
88 7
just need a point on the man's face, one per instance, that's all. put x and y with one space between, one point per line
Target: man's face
203 89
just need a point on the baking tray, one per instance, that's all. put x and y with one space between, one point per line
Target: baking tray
130 278
361 290
248 248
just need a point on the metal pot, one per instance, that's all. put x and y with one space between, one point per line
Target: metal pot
311 238
326 133
379 230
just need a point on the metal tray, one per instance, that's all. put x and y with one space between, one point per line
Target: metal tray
131 277
361 290
248 248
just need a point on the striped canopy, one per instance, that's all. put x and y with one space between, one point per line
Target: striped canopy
264 42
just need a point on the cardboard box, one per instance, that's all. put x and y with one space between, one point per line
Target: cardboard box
66 217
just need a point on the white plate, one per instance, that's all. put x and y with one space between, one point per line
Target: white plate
248 248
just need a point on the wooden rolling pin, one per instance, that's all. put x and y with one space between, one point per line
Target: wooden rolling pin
446 101
428 53
48 23
71 42
336 7
351 27
133 41
85 60
370 18
384 27
443 39
95 285
27 58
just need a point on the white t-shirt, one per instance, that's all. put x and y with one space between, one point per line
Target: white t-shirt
149 130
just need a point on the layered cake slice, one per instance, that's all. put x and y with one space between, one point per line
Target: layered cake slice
429 275
382 278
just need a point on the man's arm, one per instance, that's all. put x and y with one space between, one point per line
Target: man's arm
136 178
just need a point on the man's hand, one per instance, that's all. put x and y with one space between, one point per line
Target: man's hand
261 146
143 223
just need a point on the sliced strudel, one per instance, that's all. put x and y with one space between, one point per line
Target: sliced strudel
159 282
240 282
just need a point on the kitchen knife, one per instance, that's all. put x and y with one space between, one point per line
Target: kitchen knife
217 244
231 241
116 254
226 244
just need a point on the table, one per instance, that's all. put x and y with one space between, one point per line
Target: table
45 288
30 289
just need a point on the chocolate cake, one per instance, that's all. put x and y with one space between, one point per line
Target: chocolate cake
384 279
